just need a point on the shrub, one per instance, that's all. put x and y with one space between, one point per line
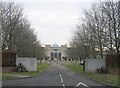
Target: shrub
102 70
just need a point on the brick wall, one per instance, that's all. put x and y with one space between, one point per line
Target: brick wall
8 58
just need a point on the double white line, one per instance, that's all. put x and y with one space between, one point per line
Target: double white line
62 81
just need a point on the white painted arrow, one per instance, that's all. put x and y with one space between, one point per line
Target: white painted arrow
81 84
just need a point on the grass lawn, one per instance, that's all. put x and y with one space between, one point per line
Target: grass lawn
75 67
0 75
7 77
104 78
40 68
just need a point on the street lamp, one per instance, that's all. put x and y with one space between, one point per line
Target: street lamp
85 45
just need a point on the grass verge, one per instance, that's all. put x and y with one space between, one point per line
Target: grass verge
7 77
104 78
0 75
40 68
75 67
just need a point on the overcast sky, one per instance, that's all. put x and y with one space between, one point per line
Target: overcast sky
54 20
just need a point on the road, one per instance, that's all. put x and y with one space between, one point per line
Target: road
55 75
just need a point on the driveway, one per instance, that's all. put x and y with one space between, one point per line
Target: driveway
56 75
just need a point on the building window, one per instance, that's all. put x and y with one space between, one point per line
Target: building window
55 54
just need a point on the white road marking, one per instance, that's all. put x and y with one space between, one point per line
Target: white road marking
62 80
63 85
81 84
60 76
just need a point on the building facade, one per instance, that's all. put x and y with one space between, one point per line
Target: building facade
56 52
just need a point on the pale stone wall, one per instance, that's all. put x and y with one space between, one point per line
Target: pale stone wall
47 50
91 65
29 63
63 51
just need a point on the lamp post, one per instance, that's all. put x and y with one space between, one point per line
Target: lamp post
85 45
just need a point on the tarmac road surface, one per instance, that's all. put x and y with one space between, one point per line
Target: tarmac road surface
56 75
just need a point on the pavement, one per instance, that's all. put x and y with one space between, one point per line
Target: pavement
56 75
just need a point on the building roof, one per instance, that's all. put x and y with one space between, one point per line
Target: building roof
55 45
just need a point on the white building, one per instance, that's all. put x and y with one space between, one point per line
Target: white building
55 52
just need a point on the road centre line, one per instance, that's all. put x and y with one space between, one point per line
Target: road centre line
62 80
63 85
60 76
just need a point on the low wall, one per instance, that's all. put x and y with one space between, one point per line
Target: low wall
91 65
8 68
8 58
29 63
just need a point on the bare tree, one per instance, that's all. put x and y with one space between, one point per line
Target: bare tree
100 29
17 34
10 16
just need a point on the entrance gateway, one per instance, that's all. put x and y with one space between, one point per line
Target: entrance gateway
56 52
